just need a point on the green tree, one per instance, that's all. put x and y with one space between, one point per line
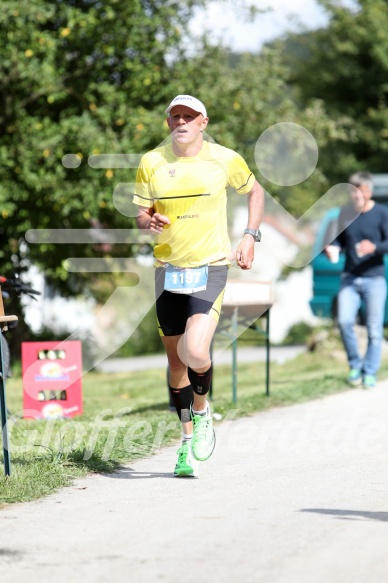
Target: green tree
346 66
77 77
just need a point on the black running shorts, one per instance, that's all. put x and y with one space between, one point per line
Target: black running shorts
173 310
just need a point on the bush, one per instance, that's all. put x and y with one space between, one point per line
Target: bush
298 333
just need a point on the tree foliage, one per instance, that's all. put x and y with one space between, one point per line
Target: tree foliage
346 66
77 77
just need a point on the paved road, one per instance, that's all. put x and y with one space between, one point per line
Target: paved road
295 494
245 354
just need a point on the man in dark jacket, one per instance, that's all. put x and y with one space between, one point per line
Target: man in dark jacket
364 241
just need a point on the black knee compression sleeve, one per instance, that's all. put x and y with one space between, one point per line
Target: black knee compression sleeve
182 399
200 381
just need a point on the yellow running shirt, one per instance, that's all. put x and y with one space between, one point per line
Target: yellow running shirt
191 192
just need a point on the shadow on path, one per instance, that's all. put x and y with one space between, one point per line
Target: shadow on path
129 473
349 514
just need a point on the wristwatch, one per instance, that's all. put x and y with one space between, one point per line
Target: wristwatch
256 234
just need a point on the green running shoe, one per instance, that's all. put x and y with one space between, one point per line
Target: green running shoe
204 438
186 465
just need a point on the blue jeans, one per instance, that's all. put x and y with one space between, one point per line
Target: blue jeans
372 291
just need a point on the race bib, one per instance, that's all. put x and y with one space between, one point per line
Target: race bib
185 280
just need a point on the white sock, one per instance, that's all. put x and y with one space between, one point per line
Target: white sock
203 412
186 437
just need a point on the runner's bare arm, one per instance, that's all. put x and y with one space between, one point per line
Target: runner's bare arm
246 250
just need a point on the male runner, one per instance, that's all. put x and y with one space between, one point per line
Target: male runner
181 190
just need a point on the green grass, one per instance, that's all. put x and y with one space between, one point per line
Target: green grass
126 416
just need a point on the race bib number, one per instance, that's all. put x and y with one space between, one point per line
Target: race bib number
185 280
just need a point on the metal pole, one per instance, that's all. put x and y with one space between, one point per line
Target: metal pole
267 344
3 411
234 354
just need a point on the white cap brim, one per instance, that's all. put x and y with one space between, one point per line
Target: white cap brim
189 101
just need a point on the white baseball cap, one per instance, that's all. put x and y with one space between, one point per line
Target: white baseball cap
189 101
